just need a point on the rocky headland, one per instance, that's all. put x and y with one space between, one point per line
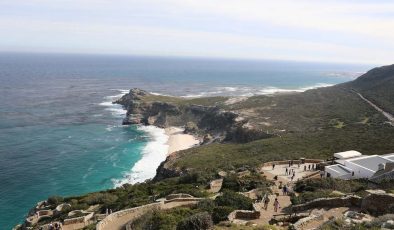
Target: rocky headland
206 117
241 135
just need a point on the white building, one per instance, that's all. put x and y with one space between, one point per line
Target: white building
352 165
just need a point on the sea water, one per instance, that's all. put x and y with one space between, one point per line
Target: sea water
60 134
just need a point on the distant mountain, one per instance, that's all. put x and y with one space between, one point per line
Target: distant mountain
378 86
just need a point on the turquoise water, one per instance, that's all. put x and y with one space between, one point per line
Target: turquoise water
59 133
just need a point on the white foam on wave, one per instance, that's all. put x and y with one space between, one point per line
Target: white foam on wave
153 154
248 91
116 109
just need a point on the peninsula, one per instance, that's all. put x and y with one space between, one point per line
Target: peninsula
249 153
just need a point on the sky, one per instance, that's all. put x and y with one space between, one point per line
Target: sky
356 31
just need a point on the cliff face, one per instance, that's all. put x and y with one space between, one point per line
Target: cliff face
163 111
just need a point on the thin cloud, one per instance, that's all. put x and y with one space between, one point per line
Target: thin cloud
281 29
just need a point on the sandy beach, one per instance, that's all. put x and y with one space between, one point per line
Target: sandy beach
178 140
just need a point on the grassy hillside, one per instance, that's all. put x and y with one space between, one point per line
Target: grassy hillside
378 86
368 139
310 111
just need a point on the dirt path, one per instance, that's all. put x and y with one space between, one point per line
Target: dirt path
284 200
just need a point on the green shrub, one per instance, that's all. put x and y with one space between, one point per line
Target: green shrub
206 205
199 221
55 200
221 213
234 200
99 198
346 186
231 183
163 220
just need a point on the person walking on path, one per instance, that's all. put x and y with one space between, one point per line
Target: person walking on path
286 171
321 174
266 202
273 166
284 190
276 205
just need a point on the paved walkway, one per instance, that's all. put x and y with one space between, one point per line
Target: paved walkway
284 200
280 171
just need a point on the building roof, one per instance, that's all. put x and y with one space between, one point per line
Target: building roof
341 170
388 168
347 154
370 162
389 156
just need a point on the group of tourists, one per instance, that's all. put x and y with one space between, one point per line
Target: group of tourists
290 172
310 167
276 203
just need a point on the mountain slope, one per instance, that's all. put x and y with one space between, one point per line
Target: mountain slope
377 85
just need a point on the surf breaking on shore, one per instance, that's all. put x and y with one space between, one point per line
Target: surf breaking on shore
246 91
161 143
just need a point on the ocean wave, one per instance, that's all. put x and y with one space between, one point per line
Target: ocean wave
153 154
115 109
246 91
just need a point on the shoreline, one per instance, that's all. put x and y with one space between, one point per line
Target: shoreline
177 140
163 142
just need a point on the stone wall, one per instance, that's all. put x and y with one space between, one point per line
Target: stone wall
244 215
78 222
81 219
117 220
381 178
374 203
310 161
179 195
348 201
183 200
378 204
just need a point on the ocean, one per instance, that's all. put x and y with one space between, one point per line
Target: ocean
61 135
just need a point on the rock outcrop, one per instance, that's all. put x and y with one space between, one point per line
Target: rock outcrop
163 111
378 203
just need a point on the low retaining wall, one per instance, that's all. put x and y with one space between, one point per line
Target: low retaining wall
179 195
80 219
378 204
77 222
117 220
375 203
32 220
349 201
309 161
183 200
244 215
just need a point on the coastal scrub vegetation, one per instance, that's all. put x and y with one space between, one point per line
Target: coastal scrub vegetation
311 189
314 145
202 216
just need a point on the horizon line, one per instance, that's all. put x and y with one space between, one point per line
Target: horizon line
194 57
